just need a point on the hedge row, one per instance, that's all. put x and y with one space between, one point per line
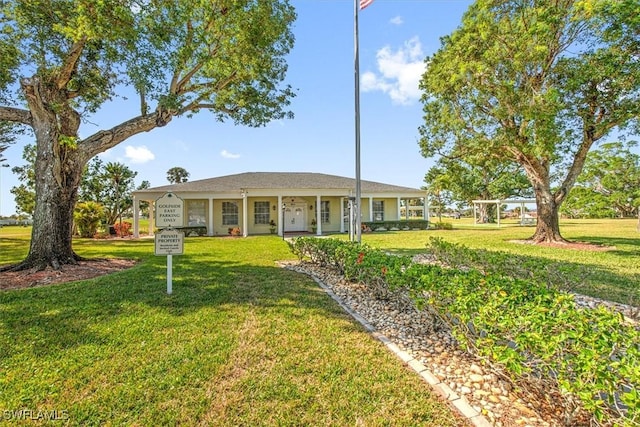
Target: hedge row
529 330
410 224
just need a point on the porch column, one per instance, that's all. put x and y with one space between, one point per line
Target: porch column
406 210
136 217
370 209
152 216
425 208
210 221
342 215
475 213
318 216
280 216
245 217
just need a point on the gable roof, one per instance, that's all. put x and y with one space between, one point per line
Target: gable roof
278 180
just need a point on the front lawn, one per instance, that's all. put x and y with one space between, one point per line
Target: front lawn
239 342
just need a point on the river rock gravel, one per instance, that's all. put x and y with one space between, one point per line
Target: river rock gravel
420 334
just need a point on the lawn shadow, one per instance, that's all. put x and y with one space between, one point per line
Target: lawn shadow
615 242
51 319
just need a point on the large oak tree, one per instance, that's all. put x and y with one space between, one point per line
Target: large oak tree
538 83
61 60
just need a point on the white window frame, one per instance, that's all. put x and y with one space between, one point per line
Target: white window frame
261 212
230 213
377 207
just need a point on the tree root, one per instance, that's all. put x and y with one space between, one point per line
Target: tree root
40 264
541 239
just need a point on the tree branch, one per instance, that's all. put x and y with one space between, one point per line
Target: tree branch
10 114
105 139
183 81
574 170
70 63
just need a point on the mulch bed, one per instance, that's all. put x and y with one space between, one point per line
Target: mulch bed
86 269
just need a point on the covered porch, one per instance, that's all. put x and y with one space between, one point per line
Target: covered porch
255 214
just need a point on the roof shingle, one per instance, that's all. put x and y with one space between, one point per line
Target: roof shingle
278 180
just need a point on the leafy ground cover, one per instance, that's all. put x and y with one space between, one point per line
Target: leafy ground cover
612 274
239 342
538 336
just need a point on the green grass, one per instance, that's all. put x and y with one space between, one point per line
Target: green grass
612 274
239 342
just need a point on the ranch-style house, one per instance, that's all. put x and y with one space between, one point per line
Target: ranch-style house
281 202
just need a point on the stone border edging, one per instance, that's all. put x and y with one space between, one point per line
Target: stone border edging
458 402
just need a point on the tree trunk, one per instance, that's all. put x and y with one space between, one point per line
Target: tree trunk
548 224
56 194
58 169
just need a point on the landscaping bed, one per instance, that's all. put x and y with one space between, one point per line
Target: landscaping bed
579 364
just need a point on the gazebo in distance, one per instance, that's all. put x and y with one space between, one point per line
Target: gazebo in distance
524 219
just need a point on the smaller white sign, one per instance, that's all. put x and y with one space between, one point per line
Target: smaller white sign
169 211
169 242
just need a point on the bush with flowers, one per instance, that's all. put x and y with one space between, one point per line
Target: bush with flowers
589 359
122 228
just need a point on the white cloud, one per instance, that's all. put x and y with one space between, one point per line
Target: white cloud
397 20
138 154
398 73
108 154
228 155
181 145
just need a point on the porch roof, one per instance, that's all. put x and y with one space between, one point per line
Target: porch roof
278 181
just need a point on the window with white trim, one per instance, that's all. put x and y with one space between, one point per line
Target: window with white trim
378 210
261 213
196 212
324 211
229 213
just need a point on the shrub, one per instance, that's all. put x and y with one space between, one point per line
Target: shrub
122 228
397 225
536 334
443 226
554 274
87 216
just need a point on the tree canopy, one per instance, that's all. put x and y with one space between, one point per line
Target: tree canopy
7 138
609 185
176 175
485 180
62 60
25 193
535 83
111 185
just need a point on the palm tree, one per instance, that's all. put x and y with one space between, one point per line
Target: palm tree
177 175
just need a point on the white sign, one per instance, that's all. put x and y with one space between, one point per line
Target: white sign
169 242
169 211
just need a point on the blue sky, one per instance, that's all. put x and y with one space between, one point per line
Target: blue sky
395 36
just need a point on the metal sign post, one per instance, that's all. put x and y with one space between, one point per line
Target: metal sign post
169 242
169 274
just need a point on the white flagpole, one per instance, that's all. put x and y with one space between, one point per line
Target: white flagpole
357 111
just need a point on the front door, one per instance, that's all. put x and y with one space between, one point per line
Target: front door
295 218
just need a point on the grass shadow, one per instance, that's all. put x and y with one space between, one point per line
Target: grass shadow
51 319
